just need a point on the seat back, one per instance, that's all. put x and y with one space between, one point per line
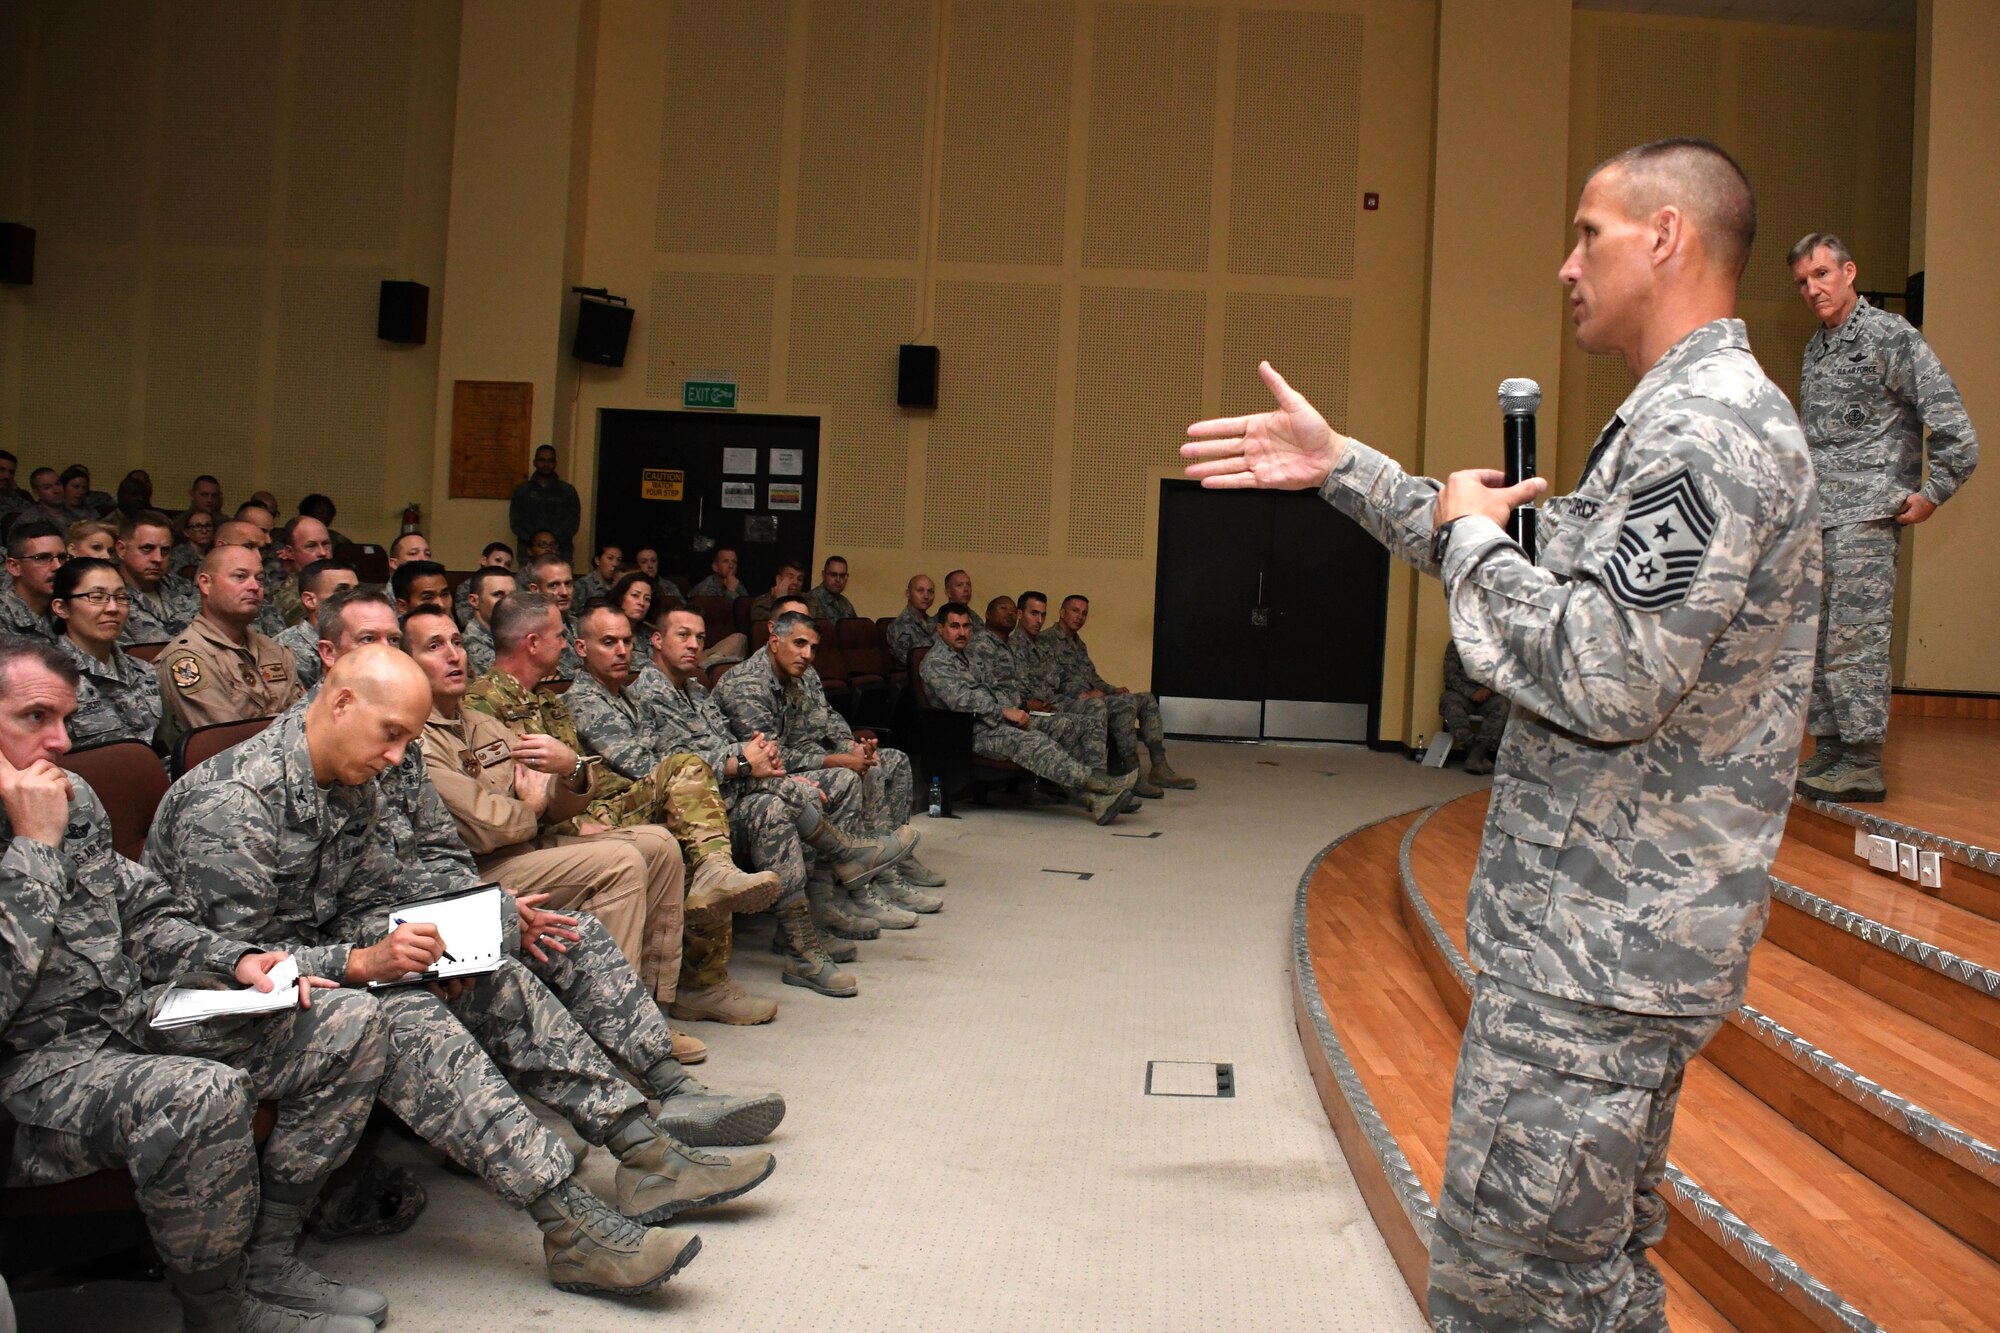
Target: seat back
861 644
370 562
917 690
760 634
207 742
740 615
719 670
718 614
144 652
130 779
828 660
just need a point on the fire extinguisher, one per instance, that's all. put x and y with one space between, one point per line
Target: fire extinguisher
413 517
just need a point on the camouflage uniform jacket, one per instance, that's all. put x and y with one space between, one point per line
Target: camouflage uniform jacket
552 505
183 561
538 712
793 714
255 848
116 700
954 682
161 614
1659 655
1079 672
479 647
687 718
616 726
713 586
1868 390
281 598
82 932
1040 664
829 605
302 642
1456 681
908 632
762 605
995 661
16 618
587 587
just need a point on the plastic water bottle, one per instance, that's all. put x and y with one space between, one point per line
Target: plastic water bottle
937 797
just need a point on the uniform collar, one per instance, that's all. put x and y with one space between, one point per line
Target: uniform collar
1718 335
211 632
1850 328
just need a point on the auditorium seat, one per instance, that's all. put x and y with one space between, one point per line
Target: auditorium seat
718 615
144 652
760 634
869 668
947 746
718 671
740 615
370 562
683 582
130 779
98 1192
207 742
833 671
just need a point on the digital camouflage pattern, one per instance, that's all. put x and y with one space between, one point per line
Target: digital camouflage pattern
1469 723
16 618
908 632
159 615
116 700
829 605
88 941
795 716
1851 676
479 647
1869 390
302 642
1130 715
1049 749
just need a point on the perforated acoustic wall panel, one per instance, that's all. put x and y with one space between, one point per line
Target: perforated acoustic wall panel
1309 339
76 365
1293 194
1152 137
1606 384
1782 108
980 490
844 336
215 153
861 163
1138 384
329 419
684 338
203 339
1656 82
722 128
1006 132
89 147
345 169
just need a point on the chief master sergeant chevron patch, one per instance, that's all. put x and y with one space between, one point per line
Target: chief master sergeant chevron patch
1666 534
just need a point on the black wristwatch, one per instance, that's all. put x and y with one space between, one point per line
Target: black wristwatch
1441 540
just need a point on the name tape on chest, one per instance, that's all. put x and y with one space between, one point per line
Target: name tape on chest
491 753
273 672
1660 548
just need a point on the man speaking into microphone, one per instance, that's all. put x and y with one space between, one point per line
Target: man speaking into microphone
1658 650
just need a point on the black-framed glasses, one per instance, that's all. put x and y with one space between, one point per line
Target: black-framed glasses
99 596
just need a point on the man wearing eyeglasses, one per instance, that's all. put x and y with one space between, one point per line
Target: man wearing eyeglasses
35 551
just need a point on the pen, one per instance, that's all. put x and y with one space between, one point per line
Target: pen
443 953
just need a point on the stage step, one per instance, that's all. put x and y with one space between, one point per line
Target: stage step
1810 1204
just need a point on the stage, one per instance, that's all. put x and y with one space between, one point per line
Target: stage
1834 1163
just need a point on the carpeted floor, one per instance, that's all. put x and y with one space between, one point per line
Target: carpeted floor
969 1144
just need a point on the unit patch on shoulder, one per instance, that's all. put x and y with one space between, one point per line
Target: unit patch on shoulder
185 672
1660 548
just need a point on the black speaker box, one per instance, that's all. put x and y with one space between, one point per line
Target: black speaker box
602 329
916 376
404 313
17 253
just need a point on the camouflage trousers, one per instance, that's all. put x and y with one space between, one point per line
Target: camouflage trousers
630 880
1850 694
1470 723
887 791
1559 1123
179 1124
449 1069
1134 720
1058 748
606 998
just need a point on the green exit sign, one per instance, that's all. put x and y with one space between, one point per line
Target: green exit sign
708 393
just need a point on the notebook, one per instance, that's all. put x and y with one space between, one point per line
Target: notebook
184 1007
469 925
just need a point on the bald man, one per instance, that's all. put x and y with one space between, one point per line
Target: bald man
312 833
1658 648
220 668
913 629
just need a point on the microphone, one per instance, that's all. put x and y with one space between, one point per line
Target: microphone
1519 399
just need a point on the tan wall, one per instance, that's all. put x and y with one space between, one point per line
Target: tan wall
217 190
1955 562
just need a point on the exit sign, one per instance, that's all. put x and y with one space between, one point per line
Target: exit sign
708 393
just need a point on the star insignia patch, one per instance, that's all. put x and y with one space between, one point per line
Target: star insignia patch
1660 548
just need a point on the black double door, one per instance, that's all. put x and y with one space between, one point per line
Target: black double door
665 480
1269 618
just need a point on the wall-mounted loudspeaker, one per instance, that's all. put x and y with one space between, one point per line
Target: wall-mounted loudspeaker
404 313
916 376
602 329
17 253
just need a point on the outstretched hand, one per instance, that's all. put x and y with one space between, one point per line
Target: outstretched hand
1290 448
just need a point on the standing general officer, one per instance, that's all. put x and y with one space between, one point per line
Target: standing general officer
1659 655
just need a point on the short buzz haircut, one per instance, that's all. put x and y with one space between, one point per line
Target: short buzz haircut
311 577
1076 597
1031 596
143 518
1699 178
790 622
486 574
332 617
491 547
791 599
425 609
792 564
955 573
831 561
17 648
1812 241
549 561
598 604
254 504
995 602
410 571
950 609
28 530
518 614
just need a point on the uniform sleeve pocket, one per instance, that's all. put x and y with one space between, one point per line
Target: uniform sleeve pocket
1531 812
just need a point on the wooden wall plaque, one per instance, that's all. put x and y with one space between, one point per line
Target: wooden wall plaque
491 426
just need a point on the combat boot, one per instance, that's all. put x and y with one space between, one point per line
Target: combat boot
1163 774
590 1248
807 962
724 1002
216 1301
718 882
867 899
659 1176
686 1049
839 950
856 860
919 874
1853 779
1824 756
832 913
273 1274
1105 806
698 1115
899 892
1477 762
